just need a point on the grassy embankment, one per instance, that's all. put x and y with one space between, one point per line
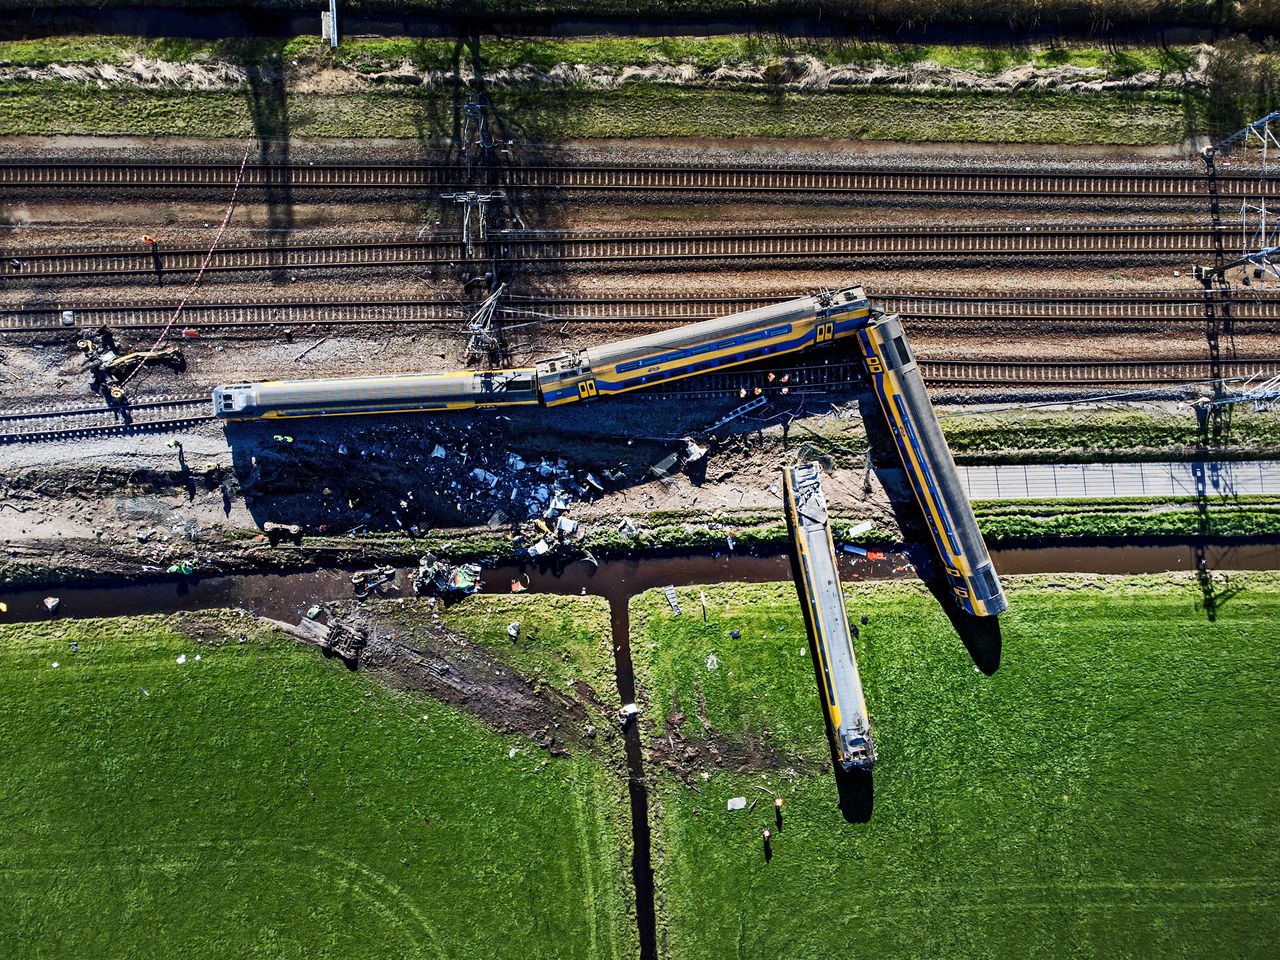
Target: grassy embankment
1111 791
371 54
639 109
1001 521
1086 16
1075 436
265 802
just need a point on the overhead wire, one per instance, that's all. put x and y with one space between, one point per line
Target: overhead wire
222 228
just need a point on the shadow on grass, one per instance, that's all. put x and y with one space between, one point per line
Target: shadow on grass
857 795
980 635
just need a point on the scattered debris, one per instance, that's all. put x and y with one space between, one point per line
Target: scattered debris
712 661
52 603
670 593
443 578
368 581
737 803
628 713
513 629
737 412
664 466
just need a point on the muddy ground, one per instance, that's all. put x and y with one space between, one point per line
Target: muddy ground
395 486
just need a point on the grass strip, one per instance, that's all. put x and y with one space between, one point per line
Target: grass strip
640 110
1111 791
264 802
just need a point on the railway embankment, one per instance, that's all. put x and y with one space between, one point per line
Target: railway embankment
554 90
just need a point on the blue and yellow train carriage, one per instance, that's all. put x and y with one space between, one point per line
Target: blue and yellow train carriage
930 467
696 348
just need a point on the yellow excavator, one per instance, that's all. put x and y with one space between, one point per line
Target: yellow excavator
109 367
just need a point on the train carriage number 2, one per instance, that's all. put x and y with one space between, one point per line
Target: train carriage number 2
587 388
825 332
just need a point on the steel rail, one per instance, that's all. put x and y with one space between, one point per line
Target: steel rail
921 308
702 178
531 247
28 426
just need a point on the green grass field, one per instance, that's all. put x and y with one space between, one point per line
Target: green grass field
265 802
1112 790
632 111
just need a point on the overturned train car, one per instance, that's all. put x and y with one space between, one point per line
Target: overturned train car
930 467
634 364
813 565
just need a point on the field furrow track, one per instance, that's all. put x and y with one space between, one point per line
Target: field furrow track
172 413
1131 244
638 178
918 307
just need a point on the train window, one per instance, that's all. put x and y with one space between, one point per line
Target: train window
900 347
987 579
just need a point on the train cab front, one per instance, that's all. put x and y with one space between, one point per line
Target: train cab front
857 750
566 378
841 313
235 402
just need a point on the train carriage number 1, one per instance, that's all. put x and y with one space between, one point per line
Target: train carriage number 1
587 388
825 332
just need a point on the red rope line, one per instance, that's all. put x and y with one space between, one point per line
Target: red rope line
226 219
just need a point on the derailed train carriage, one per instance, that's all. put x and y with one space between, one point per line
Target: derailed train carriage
930 467
813 564
775 330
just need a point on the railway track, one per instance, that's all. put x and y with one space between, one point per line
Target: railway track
530 248
919 307
821 378
636 178
177 413
74 423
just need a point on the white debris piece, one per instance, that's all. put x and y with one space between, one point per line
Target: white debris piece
55 664
438 452
566 526
712 661
513 629
858 529
51 603
539 548
737 803
182 658
514 462
511 754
